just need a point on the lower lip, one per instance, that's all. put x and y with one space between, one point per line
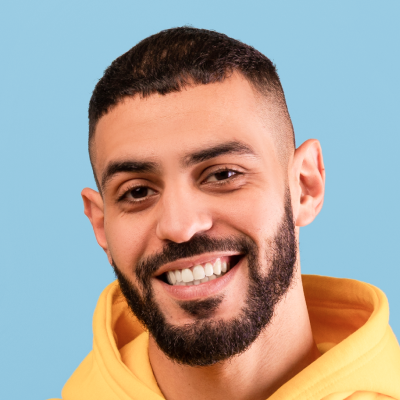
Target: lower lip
204 289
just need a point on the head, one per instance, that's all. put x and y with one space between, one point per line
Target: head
175 59
193 153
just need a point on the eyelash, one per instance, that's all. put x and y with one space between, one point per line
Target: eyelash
218 183
124 195
225 181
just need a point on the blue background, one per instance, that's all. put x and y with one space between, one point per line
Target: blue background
339 64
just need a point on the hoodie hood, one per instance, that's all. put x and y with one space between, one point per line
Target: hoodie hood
360 354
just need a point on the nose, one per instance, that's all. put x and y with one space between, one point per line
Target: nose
182 215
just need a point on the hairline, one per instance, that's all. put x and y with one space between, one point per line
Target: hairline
261 96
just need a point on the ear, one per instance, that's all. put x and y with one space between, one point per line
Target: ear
94 210
307 182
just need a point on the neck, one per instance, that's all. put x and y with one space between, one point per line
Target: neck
283 349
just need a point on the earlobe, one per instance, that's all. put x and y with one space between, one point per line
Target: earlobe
309 181
94 210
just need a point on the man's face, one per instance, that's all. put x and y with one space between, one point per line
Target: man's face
193 179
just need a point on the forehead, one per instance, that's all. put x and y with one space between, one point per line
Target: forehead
165 127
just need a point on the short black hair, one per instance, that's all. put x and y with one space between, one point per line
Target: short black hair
175 58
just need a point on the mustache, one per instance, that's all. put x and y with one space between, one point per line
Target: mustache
195 246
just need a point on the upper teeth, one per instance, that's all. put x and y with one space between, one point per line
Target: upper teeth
197 274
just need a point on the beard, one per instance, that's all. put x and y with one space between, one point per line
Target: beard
207 341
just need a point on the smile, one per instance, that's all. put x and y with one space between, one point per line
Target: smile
200 273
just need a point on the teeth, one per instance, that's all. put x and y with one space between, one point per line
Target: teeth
217 267
198 272
208 269
187 275
171 277
223 266
178 275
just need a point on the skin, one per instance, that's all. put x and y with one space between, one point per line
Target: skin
187 200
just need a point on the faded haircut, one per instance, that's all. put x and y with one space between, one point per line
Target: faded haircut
176 58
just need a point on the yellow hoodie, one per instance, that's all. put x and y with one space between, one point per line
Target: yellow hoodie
360 355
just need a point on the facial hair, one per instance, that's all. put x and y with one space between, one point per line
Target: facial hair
207 341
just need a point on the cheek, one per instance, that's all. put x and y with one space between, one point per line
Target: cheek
126 236
256 213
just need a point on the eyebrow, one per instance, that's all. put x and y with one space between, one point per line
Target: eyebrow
233 147
117 167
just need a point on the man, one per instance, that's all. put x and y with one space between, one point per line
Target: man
201 194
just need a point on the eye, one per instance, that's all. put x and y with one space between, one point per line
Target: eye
221 175
137 194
